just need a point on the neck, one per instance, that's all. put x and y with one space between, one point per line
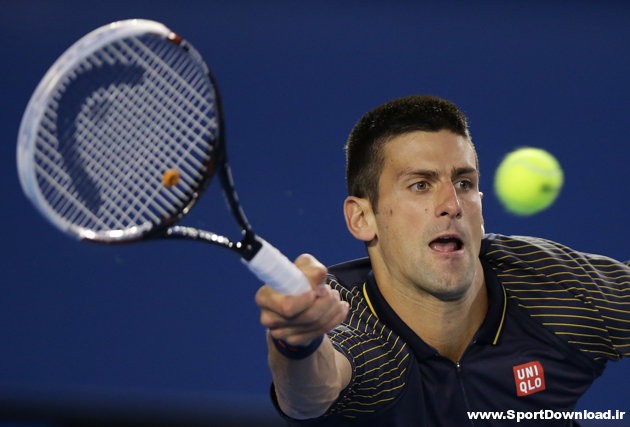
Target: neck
448 326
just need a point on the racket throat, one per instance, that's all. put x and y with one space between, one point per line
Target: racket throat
247 248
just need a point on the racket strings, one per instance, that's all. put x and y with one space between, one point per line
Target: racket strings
161 98
91 155
154 151
169 120
52 176
132 122
118 167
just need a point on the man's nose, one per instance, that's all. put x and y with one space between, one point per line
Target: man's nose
448 202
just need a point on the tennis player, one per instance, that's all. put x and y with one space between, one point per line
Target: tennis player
441 323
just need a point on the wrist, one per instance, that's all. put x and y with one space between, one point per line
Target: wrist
297 351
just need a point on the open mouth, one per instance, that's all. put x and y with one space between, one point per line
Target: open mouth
446 244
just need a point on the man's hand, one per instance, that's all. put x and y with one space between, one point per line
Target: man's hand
299 319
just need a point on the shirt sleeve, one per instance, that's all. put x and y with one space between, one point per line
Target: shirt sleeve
379 358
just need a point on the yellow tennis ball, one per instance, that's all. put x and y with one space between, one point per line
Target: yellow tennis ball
528 180
170 178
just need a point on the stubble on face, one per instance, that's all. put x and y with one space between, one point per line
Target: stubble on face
429 221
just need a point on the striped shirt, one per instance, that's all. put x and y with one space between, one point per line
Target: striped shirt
555 317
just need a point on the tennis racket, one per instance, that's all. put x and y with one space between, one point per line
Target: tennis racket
123 134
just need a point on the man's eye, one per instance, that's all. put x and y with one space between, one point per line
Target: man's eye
419 186
465 184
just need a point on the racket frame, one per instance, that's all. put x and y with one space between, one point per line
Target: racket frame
260 257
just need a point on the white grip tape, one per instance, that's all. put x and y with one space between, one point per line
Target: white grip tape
275 269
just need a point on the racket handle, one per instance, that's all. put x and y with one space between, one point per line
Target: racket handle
275 269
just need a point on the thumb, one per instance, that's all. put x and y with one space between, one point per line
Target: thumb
314 270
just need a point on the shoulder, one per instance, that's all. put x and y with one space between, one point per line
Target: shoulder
534 261
536 251
499 247
581 297
351 272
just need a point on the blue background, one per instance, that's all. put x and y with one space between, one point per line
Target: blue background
172 326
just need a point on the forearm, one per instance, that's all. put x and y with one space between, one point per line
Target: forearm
305 388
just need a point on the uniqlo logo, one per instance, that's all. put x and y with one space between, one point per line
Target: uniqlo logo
529 378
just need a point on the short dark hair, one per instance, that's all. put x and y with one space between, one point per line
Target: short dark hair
364 148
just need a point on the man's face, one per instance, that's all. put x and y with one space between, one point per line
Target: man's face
428 225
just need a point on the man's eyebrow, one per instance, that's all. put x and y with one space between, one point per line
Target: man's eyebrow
433 174
464 171
417 173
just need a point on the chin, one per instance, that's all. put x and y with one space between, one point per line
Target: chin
451 288
447 295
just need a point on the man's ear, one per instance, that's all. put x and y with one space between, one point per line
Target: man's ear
359 218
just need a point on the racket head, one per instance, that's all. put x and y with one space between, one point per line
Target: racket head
122 134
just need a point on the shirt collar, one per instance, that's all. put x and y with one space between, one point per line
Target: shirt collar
489 331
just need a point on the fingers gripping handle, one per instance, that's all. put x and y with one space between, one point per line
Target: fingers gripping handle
273 268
